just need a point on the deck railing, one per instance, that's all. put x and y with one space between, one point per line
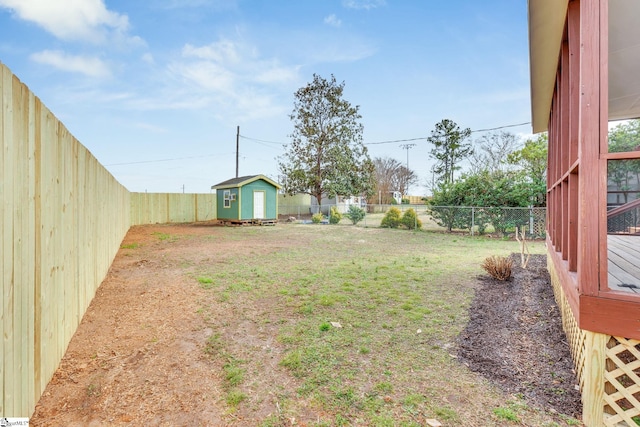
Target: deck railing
624 219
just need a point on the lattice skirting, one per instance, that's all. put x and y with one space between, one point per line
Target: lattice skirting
607 367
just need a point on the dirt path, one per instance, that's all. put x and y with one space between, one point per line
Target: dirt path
138 356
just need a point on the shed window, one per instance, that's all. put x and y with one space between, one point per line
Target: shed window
227 198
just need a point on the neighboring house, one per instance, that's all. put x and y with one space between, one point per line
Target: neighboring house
247 199
341 203
585 72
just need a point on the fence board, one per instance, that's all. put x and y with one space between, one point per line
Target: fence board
7 247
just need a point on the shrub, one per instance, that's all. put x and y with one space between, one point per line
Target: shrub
391 218
410 219
334 215
355 214
317 218
498 267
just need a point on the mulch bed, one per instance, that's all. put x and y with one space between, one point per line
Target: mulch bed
515 339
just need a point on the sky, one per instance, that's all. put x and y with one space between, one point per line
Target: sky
156 89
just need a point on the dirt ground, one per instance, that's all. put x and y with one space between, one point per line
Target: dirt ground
514 338
139 356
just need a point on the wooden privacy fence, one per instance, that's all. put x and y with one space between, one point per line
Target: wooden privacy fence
63 219
160 208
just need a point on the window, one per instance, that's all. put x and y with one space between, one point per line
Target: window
227 198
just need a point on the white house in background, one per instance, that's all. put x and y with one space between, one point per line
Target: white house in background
342 203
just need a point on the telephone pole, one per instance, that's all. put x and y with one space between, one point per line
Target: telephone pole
407 147
237 150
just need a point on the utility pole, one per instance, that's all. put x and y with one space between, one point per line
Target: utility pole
407 147
237 150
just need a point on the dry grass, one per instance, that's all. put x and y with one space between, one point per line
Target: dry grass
498 267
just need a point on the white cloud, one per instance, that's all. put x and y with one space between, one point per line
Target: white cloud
333 21
234 77
148 58
86 20
222 51
206 75
182 4
363 4
89 66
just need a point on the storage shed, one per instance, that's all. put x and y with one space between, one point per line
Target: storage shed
249 199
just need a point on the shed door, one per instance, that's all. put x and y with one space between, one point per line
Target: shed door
258 204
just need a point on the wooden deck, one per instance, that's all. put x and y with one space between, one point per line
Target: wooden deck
624 262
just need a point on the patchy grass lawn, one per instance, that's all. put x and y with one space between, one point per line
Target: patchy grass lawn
343 325
304 325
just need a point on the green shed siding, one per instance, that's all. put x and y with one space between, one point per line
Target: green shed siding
242 204
232 212
271 199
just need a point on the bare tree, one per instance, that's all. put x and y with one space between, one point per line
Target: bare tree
390 175
491 152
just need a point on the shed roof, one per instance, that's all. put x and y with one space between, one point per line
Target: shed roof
546 26
243 180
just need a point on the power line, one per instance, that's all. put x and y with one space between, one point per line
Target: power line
425 137
162 160
501 127
395 140
283 143
260 140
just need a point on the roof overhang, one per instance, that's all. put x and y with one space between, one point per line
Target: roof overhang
546 27
239 182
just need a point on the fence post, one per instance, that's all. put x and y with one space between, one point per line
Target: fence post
531 219
473 219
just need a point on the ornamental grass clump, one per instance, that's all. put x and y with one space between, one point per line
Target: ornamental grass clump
498 267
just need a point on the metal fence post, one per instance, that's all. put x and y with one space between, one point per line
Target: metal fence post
473 219
531 219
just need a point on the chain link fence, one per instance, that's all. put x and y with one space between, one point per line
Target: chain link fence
474 220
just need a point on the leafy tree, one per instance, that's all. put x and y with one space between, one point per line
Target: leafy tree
492 151
444 207
449 149
390 175
623 173
490 191
326 155
532 160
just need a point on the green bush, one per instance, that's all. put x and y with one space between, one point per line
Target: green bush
391 218
355 214
410 219
334 215
317 218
